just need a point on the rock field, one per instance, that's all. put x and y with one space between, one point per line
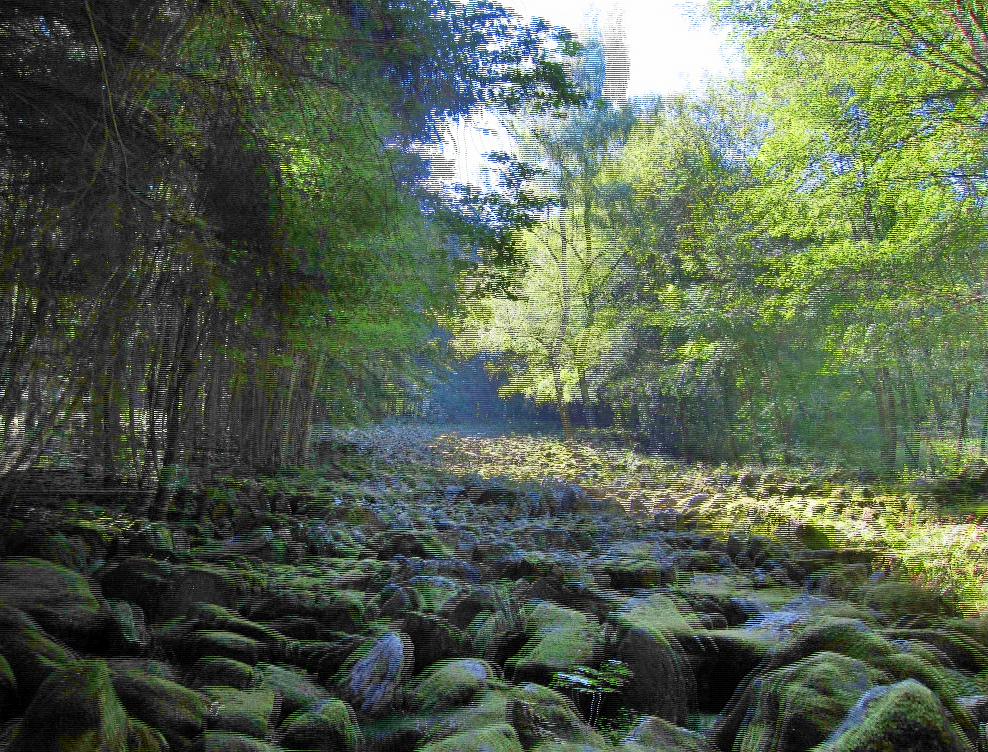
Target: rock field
398 599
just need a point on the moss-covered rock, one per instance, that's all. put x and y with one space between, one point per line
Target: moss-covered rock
335 609
143 738
798 706
31 654
228 741
246 712
178 712
75 709
449 684
329 726
497 738
374 674
563 639
662 681
65 603
296 688
639 574
433 639
886 661
216 671
224 644
902 597
540 715
892 718
658 735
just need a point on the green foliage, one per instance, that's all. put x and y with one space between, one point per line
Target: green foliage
593 682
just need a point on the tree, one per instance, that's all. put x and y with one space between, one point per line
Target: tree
212 218
877 174
558 327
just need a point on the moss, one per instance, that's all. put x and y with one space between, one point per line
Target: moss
904 716
498 738
449 684
330 726
226 645
564 640
75 710
249 712
143 738
177 711
798 706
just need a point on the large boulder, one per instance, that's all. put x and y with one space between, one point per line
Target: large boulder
450 684
296 688
798 706
540 715
65 603
30 653
497 738
242 711
75 709
375 673
165 590
563 639
179 713
658 735
329 726
891 718
662 681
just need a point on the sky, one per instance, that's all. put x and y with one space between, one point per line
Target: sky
671 48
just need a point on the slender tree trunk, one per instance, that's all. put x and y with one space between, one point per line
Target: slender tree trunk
557 383
965 406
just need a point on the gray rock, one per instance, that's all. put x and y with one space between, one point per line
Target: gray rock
376 671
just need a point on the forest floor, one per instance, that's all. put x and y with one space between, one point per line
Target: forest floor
458 588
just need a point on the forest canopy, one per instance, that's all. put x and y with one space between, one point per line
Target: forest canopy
221 225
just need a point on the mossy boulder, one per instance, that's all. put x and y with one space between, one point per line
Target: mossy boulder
296 688
658 735
563 639
374 674
662 681
29 652
334 609
540 715
74 709
246 712
449 684
129 632
892 718
798 706
65 603
901 597
143 738
224 644
229 741
433 638
178 712
639 574
329 726
497 738
215 671
887 662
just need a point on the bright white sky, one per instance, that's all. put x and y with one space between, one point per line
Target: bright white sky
672 48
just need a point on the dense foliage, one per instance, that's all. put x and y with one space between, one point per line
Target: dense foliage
219 229
215 219
788 265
